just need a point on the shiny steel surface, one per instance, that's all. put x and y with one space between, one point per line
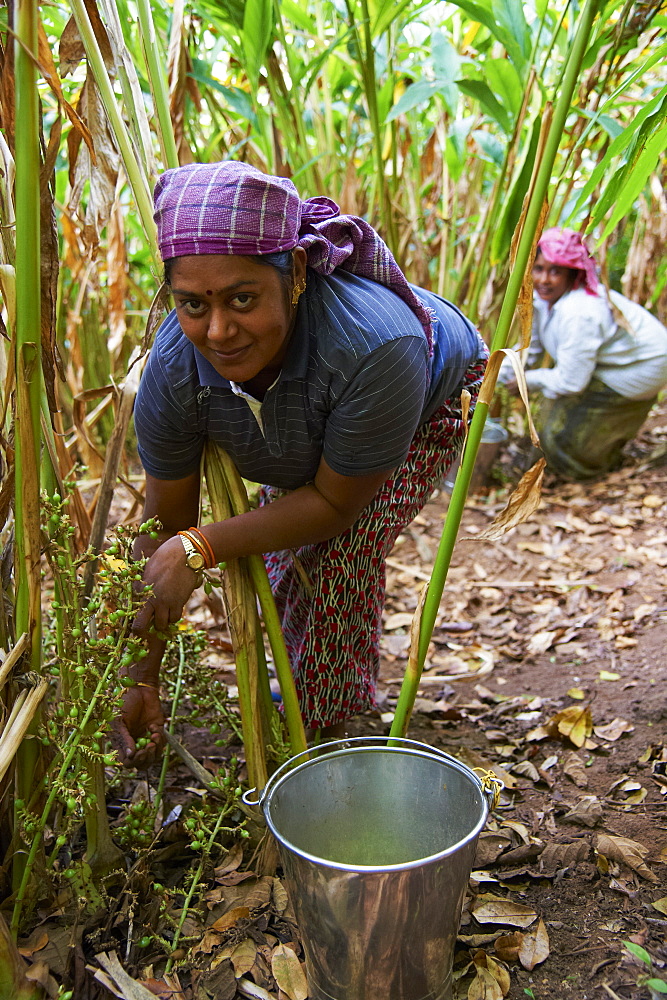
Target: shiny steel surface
377 845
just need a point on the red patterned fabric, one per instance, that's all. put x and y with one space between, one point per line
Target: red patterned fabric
331 604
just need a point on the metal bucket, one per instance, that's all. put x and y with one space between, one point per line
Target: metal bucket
377 839
493 438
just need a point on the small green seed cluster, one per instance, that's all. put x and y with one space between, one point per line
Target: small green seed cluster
200 820
135 828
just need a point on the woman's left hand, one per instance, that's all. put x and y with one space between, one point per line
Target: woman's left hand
171 581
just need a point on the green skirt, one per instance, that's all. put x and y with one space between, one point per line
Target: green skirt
583 435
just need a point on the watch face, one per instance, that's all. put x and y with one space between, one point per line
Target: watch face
195 561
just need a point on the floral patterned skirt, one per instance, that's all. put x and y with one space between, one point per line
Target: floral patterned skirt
331 596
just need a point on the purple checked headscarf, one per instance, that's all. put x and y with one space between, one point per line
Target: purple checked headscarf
565 248
232 208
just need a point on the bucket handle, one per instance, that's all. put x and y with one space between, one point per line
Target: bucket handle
492 786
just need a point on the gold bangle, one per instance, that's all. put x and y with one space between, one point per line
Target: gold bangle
141 684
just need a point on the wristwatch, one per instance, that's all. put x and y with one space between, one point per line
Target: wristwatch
193 557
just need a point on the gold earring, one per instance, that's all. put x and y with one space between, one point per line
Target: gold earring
298 291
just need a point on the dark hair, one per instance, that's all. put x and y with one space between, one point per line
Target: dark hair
283 263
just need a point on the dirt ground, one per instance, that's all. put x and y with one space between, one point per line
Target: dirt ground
547 667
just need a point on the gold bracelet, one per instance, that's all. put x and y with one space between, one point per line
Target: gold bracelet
141 684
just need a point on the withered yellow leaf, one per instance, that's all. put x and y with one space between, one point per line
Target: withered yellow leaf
485 987
575 723
498 971
660 905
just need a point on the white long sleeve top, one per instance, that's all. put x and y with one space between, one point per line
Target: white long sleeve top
584 340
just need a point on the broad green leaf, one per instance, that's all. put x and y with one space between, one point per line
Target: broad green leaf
417 93
298 14
502 236
257 27
490 103
493 15
511 16
505 83
637 175
389 13
638 952
659 985
237 100
610 125
616 149
446 60
490 145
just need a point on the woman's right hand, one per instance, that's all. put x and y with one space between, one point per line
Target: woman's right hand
141 716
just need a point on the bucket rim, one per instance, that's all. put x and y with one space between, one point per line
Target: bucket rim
378 744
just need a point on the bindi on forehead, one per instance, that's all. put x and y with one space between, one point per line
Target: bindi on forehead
209 291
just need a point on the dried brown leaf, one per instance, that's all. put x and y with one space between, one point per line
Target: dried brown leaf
613 730
556 857
243 957
587 811
231 863
534 948
230 918
523 502
483 960
489 846
288 973
279 897
485 986
575 770
628 852
490 909
507 946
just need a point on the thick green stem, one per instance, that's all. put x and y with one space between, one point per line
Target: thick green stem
293 719
457 502
28 362
155 62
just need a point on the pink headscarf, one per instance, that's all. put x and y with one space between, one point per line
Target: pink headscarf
565 248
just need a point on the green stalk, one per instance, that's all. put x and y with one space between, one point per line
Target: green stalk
193 888
525 244
27 332
172 725
293 719
220 463
155 62
28 362
367 64
138 182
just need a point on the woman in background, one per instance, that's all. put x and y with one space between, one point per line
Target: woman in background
609 360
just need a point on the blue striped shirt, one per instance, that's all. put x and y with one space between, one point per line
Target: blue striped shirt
355 384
